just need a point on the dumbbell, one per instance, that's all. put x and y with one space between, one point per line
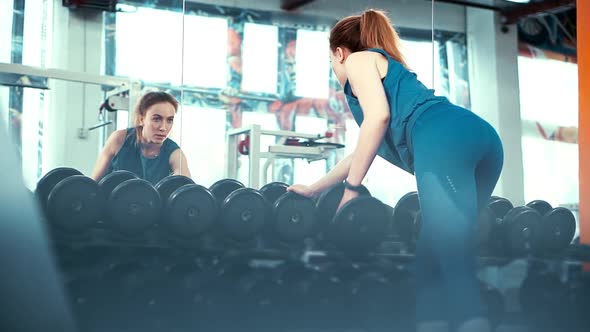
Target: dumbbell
405 216
292 216
189 209
243 211
556 229
359 226
109 182
68 199
133 205
516 234
499 207
407 219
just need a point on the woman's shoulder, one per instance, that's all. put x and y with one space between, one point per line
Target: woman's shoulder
118 138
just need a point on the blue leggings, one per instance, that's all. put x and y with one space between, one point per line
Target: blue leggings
458 158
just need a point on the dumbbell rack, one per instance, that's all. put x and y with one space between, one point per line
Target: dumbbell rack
279 150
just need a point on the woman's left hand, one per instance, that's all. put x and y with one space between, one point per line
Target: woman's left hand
347 196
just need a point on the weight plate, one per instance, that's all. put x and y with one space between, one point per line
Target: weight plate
133 207
112 180
169 184
500 206
49 180
272 191
404 217
328 202
222 188
521 226
243 213
294 217
557 229
190 211
73 204
541 206
360 225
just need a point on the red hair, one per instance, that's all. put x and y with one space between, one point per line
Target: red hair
371 29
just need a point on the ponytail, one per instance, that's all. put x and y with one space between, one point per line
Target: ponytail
372 29
377 32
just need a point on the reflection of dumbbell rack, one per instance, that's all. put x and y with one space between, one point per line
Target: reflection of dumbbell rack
309 149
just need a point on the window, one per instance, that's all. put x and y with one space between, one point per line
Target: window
36 25
549 96
260 58
312 64
149 45
420 59
205 51
6 13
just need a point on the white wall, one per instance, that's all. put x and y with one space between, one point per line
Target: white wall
77 46
495 92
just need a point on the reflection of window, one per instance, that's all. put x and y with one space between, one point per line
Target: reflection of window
153 52
122 119
35 46
260 58
6 13
419 56
312 64
149 45
205 51
554 102
200 132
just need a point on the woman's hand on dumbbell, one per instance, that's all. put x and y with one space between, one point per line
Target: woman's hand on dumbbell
302 190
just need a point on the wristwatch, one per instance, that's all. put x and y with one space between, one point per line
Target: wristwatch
347 185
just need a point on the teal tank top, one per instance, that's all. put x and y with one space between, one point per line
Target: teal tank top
130 158
408 98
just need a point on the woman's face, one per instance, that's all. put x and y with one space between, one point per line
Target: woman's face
157 122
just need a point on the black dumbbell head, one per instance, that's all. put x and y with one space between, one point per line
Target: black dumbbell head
222 188
404 217
74 204
272 191
133 207
243 214
360 225
169 184
49 180
328 202
190 211
293 217
112 180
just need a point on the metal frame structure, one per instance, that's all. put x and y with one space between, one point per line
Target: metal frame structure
276 151
64 75
121 86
